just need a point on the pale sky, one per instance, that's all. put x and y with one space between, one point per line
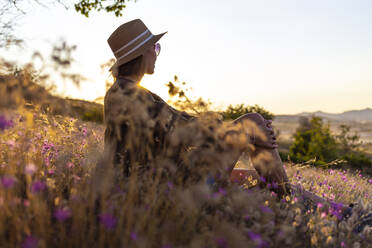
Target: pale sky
288 56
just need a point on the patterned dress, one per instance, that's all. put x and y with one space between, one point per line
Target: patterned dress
143 131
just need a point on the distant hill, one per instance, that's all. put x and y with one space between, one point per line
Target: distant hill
351 115
16 90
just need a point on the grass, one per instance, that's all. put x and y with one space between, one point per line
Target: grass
51 195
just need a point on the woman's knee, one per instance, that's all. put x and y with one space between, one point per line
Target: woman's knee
255 117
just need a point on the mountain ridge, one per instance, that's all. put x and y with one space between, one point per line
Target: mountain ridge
350 115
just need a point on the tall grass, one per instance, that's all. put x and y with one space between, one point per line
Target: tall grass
57 190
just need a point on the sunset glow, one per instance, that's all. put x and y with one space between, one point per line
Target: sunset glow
287 56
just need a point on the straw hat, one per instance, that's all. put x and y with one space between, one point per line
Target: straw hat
131 40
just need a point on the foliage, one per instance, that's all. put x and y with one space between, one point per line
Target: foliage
313 140
86 6
31 88
177 92
232 112
179 98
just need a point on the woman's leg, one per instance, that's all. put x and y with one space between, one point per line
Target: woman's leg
269 167
263 152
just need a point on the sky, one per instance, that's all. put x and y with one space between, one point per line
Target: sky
288 56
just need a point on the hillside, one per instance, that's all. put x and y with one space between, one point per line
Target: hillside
19 90
351 115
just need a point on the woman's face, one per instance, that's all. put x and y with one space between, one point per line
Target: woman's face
149 58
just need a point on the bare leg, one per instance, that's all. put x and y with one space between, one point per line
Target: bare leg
269 166
263 153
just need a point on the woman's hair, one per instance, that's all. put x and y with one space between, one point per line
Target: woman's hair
133 67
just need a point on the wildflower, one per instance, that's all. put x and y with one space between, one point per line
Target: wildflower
257 239
62 214
37 186
4 123
108 220
266 209
370 181
30 242
84 131
221 242
274 185
344 178
342 244
246 217
262 179
170 185
8 181
133 236
46 147
30 169
70 165
222 191
26 203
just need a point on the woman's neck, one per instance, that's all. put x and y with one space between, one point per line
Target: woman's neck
133 78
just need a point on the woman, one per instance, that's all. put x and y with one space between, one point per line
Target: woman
143 131
136 51
137 116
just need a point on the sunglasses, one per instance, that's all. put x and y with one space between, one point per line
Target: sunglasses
157 48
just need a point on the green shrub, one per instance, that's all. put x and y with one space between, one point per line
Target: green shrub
232 112
313 140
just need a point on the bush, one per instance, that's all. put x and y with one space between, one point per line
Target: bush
313 140
233 112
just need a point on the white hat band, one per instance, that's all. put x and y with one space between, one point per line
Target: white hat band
134 48
131 42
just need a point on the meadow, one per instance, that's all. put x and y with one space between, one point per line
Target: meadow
52 196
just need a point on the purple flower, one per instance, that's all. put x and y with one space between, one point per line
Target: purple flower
84 131
337 206
246 217
274 185
30 242
370 181
266 209
222 191
108 220
344 178
30 169
221 242
38 186
8 181
133 236
262 179
62 214
170 185
4 123
46 147
257 239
